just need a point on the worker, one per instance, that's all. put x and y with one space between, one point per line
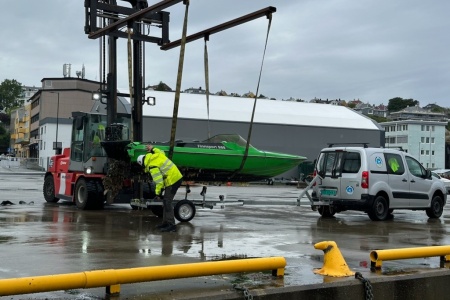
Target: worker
393 163
167 178
96 146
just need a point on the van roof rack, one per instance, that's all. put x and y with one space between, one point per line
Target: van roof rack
400 148
330 145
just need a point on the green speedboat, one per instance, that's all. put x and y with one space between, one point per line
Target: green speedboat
219 159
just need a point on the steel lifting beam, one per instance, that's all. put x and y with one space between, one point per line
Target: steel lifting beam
206 33
132 18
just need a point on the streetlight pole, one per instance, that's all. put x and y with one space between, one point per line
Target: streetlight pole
56 147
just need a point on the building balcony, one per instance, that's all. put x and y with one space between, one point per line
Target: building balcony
22 130
22 141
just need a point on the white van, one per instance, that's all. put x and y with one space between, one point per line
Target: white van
376 181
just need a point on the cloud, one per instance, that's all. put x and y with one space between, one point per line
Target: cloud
371 50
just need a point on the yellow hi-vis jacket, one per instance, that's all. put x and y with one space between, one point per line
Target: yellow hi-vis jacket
164 172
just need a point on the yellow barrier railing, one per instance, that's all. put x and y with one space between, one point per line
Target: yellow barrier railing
378 256
111 279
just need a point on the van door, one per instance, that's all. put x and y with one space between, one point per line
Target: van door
327 166
350 176
419 185
398 180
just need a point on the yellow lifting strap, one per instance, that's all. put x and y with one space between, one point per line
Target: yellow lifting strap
269 16
130 78
207 81
178 84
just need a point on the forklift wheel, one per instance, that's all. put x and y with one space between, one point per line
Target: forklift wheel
49 189
184 210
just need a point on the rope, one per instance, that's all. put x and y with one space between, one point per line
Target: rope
130 79
207 81
178 84
269 16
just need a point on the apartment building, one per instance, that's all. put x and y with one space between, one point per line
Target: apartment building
419 132
20 130
51 110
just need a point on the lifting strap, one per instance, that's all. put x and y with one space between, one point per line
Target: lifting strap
269 16
207 81
178 84
130 79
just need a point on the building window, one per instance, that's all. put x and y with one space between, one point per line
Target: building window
422 128
386 129
427 140
402 139
422 152
432 128
35 118
432 140
405 127
35 103
393 128
427 152
432 152
422 140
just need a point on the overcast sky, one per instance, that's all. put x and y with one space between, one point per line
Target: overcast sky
372 50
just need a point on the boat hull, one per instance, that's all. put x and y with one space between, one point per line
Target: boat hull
204 161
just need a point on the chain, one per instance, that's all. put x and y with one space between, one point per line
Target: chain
247 295
367 286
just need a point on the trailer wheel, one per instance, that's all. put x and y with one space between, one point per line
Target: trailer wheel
184 210
86 194
49 189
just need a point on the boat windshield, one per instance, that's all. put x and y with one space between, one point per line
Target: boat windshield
231 138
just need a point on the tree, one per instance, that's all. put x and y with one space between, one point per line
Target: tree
378 119
10 91
163 87
398 103
351 104
4 139
5 118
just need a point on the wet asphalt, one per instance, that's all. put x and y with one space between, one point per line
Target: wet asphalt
38 238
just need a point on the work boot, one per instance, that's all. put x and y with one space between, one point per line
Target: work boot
162 225
169 228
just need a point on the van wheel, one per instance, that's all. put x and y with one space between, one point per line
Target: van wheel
380 209
436 208
326 211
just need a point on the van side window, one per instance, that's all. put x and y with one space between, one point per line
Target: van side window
352 163
415 168
394 164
